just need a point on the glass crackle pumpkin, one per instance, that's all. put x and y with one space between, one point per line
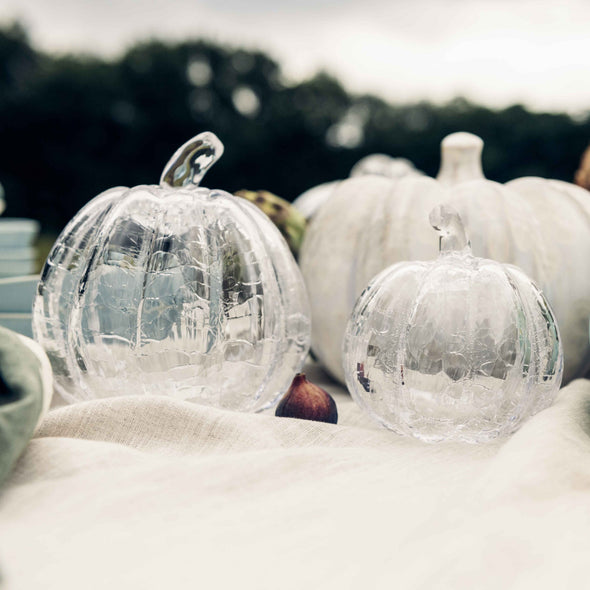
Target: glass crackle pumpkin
173 289
461 348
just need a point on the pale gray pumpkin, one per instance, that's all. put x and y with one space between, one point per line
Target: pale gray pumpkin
368 223
563 212
544 228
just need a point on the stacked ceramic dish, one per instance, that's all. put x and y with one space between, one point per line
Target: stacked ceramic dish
17 267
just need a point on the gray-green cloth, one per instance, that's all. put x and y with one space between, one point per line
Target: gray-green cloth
21 397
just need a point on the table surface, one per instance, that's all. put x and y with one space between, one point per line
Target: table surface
149 492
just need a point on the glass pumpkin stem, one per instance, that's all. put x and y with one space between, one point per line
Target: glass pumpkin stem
447 222
191 161
460 158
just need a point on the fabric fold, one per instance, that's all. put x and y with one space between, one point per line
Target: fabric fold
154 493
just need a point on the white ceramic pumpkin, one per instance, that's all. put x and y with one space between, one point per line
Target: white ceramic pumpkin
309 202
384 165
370 223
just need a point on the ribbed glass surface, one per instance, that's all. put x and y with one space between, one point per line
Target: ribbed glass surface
462 348
176 291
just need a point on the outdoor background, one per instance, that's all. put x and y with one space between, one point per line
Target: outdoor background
94 95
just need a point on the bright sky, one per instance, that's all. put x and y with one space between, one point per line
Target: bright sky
496 52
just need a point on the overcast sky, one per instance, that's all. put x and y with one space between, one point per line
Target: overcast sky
496 52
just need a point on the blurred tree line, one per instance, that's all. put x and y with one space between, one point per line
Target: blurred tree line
73 126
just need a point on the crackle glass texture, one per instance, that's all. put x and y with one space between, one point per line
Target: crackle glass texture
460 349
184 292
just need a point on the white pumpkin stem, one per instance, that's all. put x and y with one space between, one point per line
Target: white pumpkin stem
447 221
460 158
191 161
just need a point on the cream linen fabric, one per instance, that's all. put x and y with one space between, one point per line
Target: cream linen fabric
150 493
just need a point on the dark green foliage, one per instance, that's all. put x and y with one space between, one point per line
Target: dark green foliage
74 126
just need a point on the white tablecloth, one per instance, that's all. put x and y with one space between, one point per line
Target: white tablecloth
151 493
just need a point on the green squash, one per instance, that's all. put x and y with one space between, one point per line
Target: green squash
288 220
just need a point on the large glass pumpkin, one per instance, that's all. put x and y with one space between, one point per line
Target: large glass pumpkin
173 289
461 348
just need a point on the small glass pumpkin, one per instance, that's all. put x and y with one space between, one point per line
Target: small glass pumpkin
173 289
461 348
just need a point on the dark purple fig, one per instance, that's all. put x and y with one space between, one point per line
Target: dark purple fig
307 401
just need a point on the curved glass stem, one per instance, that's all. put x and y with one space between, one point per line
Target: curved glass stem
191 161
447 221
